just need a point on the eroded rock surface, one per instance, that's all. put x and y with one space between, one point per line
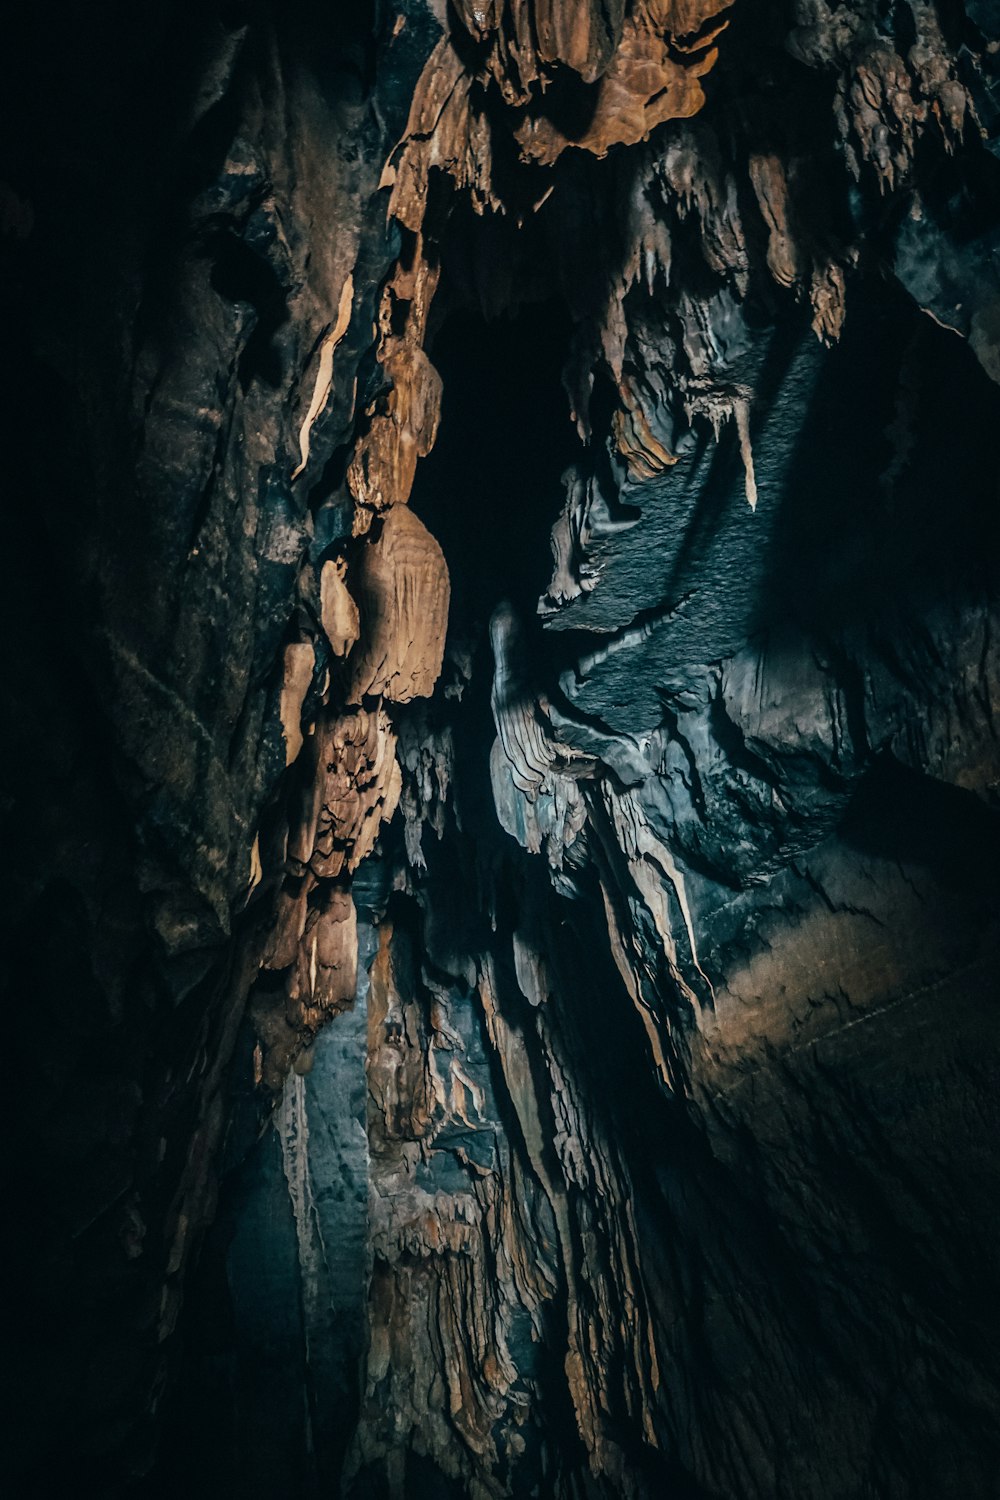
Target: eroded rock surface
502 780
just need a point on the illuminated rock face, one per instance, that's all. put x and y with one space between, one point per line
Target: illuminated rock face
502 770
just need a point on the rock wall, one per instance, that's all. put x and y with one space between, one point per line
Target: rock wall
502 951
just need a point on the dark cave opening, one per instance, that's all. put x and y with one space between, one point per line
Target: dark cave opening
871 451
490 488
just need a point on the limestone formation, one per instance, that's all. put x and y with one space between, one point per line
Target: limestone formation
402 589
502 794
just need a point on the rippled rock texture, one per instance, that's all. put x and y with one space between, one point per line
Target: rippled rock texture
501 765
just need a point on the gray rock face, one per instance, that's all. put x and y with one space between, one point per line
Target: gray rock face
553 1050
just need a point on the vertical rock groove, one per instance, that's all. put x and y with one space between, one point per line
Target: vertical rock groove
501 766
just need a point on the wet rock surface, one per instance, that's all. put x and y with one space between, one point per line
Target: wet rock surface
501 771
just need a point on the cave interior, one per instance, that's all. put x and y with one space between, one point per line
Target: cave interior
502 749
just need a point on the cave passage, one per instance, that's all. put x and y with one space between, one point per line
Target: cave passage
501 757
490 489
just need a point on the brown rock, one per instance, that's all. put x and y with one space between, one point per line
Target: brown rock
298 669
403 591
339 611
354 787
381 472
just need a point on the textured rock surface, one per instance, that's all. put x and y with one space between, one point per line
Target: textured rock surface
502 779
